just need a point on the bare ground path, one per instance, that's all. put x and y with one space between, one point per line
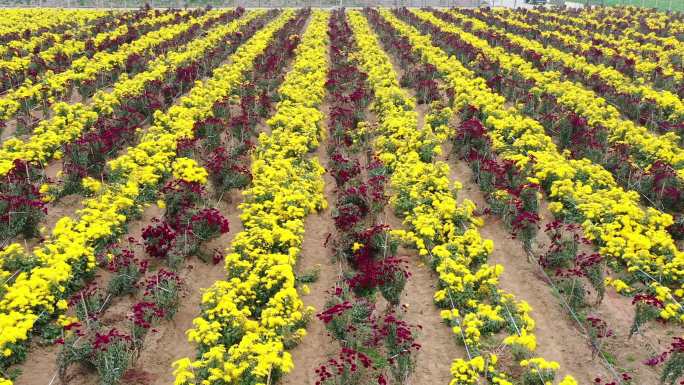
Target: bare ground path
316 346
439 346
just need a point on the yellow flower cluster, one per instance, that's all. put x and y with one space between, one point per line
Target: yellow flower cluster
83 69
469 372
645 147
76 22
151 158
438 226
669 104
251 317
91 184
619 285
70 121
611 217
72 242
539 365
524 341
645 64
188 170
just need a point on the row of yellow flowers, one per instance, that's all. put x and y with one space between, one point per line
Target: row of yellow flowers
70 121
611 217
668 102
443 229
249 319
52 87
17 21
69 43
644 65
70 249
645 147
665 48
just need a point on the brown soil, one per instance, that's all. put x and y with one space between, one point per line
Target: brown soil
66 206
40 367
52 169
9 130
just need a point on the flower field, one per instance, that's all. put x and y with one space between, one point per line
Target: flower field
235 196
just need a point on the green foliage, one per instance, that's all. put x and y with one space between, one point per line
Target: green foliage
89 303
673 369
124 279
309 276
112 362
538 377
392 287
643 313
594 274
163 290
574 292
109 353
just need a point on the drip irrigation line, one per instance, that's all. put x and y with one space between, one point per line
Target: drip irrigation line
10 278
458 324
517 330
574 315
